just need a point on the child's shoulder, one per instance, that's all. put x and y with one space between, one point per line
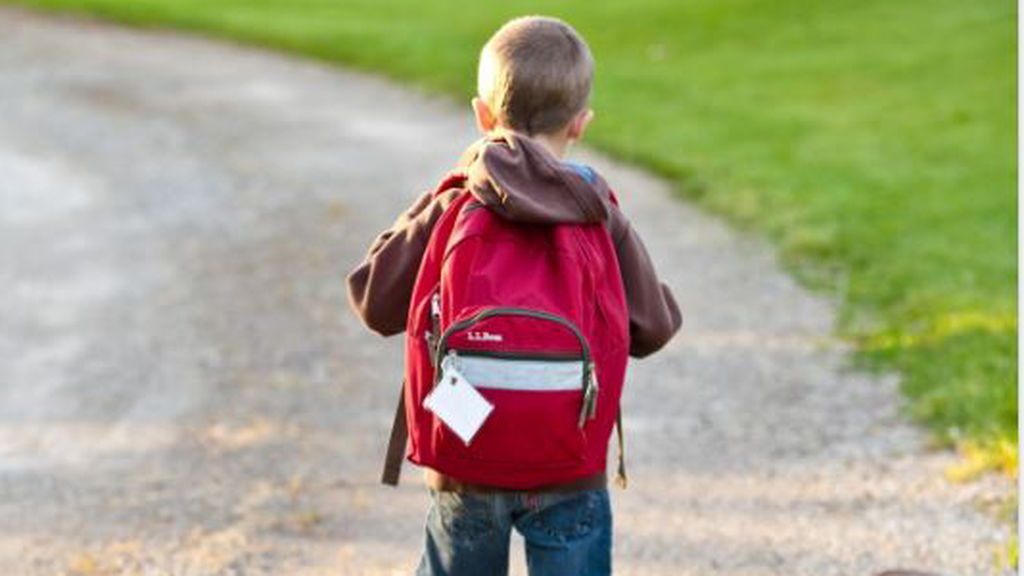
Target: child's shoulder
585 171
598 184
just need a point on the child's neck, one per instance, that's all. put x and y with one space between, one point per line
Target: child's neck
556 145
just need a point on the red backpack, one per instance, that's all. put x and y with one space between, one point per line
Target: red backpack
534 318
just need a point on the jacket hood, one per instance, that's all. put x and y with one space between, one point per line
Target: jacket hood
518 179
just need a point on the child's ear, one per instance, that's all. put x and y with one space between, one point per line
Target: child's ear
579 124
485 119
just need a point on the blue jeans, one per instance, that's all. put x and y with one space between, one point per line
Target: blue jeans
566 534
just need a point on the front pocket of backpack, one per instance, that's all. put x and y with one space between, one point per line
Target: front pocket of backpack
536 402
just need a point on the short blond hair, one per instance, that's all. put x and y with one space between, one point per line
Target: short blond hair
535 74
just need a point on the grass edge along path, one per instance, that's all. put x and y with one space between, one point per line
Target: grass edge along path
872 142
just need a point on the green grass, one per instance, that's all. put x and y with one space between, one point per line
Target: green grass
873 141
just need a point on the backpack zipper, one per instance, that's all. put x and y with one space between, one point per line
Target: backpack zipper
541 356
589 409
435 323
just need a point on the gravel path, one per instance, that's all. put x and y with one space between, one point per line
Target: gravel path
183 391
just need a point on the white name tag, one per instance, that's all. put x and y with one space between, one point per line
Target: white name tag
457 403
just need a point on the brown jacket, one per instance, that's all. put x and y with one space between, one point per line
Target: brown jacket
519 180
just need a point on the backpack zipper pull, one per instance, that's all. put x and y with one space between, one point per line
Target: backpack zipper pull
589 409
592 377
435 322
429 337
594 388
435 306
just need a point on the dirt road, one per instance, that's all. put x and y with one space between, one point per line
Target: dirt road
183 390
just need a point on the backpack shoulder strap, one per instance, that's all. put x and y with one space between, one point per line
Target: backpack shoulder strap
396 444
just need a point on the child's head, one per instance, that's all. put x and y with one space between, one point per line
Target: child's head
534 77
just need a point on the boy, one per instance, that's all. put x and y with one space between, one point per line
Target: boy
534 82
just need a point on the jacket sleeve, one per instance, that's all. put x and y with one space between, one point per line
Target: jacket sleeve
379 289
654 316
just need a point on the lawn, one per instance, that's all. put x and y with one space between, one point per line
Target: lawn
873 141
